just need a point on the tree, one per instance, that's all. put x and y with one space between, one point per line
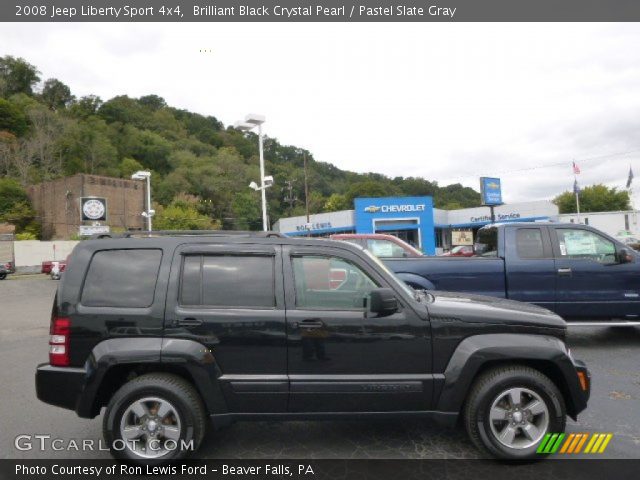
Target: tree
17 76
85 107
15 207
12 118
369 188
182 214
594 198
55 94
129 166
337 202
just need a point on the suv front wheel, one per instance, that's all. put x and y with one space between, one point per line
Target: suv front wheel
154 418
510 409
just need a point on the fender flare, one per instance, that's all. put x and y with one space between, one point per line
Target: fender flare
417 280
476 352
173 354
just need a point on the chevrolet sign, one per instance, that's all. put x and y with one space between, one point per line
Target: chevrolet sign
395 208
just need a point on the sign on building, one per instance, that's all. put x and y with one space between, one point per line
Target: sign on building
93 209
461 237
88 230
490 191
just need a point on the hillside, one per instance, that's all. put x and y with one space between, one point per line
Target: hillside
46 132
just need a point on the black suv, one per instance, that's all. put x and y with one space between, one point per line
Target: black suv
171 332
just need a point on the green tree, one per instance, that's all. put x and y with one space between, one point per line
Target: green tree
17 76
182 214
85 107
594 198
15 207
336 202
368 188
129 166
55 94
12 118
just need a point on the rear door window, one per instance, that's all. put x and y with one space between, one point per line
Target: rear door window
228 281
122 278
529 243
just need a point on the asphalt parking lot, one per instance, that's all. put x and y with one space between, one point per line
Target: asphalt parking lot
613 356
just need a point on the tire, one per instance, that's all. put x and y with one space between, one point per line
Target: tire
140 407
491 397
3 275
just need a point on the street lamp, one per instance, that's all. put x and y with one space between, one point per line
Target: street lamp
250 122
144 175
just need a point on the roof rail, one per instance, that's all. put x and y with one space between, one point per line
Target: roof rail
177 233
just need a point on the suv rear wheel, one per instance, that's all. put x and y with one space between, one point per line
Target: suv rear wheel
510 409
152 418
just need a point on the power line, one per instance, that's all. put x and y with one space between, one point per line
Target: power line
566 162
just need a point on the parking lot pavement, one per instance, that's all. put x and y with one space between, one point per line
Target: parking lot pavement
613 356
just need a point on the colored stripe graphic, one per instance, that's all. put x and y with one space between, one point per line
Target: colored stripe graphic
550 443
574 442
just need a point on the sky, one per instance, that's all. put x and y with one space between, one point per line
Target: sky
448 102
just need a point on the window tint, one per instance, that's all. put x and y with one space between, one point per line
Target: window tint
585 244
487 242
529 243
384 248
121 278
330 283
228 281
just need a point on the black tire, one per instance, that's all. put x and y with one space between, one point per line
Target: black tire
3 275
489 387
172 388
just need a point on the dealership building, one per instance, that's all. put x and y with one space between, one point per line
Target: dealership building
415 220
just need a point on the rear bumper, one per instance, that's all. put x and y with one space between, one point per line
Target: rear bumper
60 386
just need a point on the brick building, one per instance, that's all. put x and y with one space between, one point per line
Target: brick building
57 203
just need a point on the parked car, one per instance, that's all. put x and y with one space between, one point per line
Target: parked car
5 269
224 327
574 270
460 251
630 240
47 266
381 245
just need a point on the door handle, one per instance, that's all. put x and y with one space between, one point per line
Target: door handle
565 272
310 324
189 322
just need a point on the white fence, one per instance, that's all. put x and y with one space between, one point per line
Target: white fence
30 254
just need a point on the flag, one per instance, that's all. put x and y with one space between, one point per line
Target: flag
576 187
576 169
630 179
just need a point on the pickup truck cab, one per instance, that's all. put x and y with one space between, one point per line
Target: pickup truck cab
574 270
170 333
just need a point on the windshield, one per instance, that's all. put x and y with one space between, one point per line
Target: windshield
409 291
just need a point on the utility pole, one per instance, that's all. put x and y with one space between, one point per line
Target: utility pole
306 187
289 197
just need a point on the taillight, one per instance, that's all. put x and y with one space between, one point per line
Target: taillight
59 341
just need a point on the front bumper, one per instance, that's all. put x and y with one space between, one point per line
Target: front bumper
581 396
60 386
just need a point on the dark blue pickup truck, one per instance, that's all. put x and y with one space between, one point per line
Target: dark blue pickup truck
574 270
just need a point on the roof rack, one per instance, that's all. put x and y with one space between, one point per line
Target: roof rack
178 233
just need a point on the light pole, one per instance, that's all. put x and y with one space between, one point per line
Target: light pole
145 175
250 122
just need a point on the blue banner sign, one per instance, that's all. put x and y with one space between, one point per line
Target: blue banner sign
491 191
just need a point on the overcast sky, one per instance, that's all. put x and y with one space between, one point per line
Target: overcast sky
448 102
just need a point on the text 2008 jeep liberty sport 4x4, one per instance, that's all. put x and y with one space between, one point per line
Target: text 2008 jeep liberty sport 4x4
170 331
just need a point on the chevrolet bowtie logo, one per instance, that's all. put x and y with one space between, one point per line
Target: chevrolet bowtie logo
372 209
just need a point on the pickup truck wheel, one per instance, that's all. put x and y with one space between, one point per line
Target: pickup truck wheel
150 418
3 275
510 409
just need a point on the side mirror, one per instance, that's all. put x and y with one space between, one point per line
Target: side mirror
625 255
382 301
